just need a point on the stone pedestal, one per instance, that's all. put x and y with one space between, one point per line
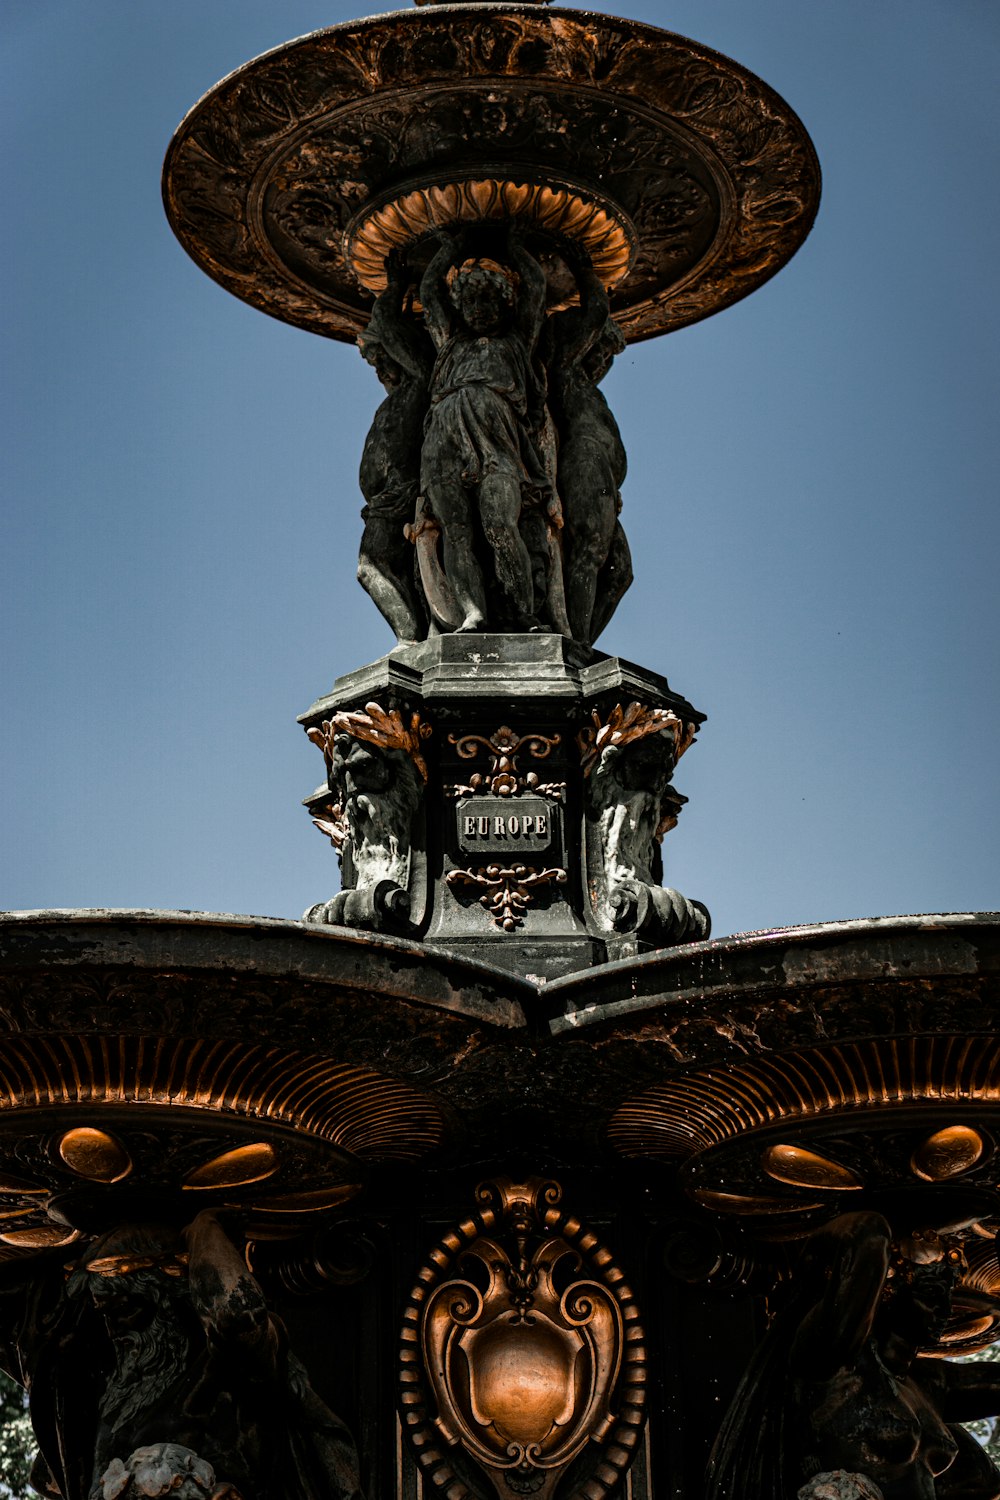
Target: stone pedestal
508 792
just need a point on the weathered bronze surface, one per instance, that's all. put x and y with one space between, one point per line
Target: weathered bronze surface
416 1056
839 1382
494 453
150 1331
493 199
568 865
376 777
490 177
301 169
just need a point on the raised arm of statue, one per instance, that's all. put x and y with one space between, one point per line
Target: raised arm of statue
531 300
962 1393
399 334
578 335
226 1297
852 1254
438 312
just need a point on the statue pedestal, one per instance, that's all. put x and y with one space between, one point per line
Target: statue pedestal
508 792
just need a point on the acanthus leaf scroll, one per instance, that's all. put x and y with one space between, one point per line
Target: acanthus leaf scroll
505 779
507 890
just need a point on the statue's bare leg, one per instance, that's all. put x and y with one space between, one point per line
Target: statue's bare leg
382 565
589 499
613 582
500 512
450 504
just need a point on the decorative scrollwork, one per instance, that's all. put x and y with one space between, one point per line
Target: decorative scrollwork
624 726
506 891
505 779
522 1344
331 819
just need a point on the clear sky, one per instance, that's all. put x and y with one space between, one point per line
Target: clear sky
812 495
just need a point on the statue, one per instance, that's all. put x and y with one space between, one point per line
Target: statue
467 460
480 466
839 1382
628 761
158 1352
580 344
395 345
377 776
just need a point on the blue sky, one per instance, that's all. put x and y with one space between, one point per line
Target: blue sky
812 495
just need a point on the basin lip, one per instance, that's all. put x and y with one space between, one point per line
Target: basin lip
932 944
262 948
862 948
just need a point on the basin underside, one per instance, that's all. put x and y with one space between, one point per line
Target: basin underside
688 179
766 1080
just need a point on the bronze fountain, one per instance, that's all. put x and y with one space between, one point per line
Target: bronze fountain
496 1155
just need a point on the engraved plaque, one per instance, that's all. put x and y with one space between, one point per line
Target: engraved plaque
507 826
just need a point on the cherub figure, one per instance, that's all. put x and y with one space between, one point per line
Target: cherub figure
397 348
480 463
579 347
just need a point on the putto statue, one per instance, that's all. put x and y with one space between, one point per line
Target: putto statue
156 1362
493 431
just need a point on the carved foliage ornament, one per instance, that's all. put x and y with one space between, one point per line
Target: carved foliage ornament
505 779
507 891
624 726
375 726
521 1346
557 210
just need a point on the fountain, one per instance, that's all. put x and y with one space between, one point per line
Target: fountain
483 1178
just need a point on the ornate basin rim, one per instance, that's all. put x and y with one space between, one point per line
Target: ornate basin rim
787 958
866 948
266 171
